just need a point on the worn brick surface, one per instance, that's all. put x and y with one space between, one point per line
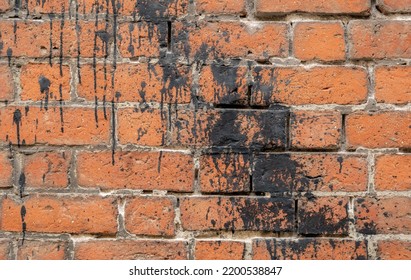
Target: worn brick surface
219 250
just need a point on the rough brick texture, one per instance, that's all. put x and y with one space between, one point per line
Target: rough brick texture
205 129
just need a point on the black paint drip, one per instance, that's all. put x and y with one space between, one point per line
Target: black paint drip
45 89
61 108
17 122
22 184
23 213
113 131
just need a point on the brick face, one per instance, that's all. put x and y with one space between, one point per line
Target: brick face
206 129
272 7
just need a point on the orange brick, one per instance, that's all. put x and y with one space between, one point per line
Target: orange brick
131 250
319 41
215 40
61 214
55 126
136 83
394 250
309 249
48 39
6 170
379 130
309 172
142 39
5 5
380 39
273 7
47 170
318 85
237 213
150 216
221 84
230 128
136 170
393 84
225 173
394 6
146 127
47 6
4 248
323 215
45 82
236 7
219 250
153 9
383 215
392 172
6 81
42 250
315 130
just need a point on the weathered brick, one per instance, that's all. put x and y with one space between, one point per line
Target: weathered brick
309 172
393 84
136 170
47 6
5 5
47 169
135 83
45 82
6 81
380 39
6 170
237 213
394 249
319 41
236 7
54 39
309 249
222 84
42 250
142 39
225 173
144 9
323 215
146 127
315 129
317 85
131 250
230 128
54 126
383 215
60 214
394 6
5 247
379 130
273 7
230 39
392 172
150 216
219 250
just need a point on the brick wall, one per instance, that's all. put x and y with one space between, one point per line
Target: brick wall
177 129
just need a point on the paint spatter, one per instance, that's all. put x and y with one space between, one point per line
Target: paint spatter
45 89
17 121
23 213
22 184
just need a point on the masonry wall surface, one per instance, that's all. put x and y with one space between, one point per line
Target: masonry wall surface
200 129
